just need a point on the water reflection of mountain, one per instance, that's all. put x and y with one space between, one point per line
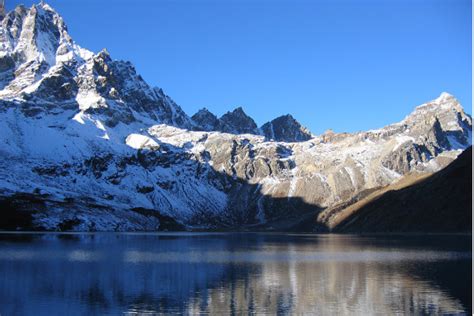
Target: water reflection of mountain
215 273
94 274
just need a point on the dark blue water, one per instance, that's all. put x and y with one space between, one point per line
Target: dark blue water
147 274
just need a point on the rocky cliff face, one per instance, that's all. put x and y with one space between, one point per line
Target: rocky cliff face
86 144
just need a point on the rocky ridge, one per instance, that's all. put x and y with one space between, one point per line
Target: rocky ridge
284 128
96 148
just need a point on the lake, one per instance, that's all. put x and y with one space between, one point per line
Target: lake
241 273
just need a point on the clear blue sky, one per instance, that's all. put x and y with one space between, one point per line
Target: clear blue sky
345 65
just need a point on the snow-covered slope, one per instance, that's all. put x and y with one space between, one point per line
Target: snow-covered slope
86 144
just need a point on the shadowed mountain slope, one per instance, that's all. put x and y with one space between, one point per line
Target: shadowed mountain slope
439 203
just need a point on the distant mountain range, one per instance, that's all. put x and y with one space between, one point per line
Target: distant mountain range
87 144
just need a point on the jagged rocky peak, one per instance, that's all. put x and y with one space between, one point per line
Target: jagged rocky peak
122 91
36 34
285 128
238 122
205 120
32 42
41 66
445 107
445 116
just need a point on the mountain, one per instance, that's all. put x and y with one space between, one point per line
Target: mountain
237 122
87 144
44 70
233 122
286 129
205 121
439 203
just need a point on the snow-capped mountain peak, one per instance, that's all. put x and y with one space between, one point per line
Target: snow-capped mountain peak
40 64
